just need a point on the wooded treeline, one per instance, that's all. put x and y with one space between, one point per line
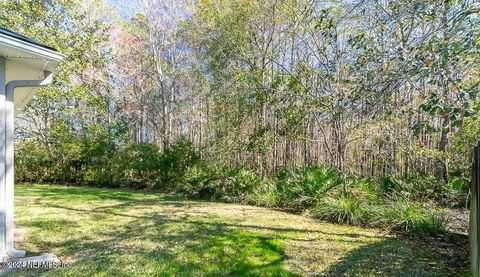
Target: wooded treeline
369 87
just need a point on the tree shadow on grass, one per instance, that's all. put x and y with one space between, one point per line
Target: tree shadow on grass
165 248
161 218
406 257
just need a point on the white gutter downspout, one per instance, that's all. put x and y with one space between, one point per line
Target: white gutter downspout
9 157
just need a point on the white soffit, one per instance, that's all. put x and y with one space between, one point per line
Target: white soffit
26 60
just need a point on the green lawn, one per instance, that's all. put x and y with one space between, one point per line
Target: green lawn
104 232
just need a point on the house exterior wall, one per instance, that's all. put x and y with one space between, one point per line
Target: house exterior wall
3 252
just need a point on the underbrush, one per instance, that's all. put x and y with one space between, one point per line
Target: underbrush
412 206
405 216
342 209
409 204
218 183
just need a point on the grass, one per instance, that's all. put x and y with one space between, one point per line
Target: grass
106 232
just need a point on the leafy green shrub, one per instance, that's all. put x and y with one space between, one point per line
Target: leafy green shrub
459 184
301 188
142 165
32 162
266 195
363 189
403 215
198 181
236 184
268 199
424 188
98 176
457 191
219 183
390 184
137 165
341 209
174 163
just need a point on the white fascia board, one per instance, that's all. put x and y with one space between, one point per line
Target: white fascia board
30 49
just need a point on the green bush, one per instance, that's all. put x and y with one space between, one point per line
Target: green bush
237 183
32 162
363 189
198 182
301 188
389 204
403 215
174 163
390 184
341 209
266 195
219 183
98 176
423 188
137 165
268 199
142 165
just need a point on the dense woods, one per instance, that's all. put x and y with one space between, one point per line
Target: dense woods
241 97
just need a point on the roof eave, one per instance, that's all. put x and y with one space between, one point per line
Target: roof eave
33 49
